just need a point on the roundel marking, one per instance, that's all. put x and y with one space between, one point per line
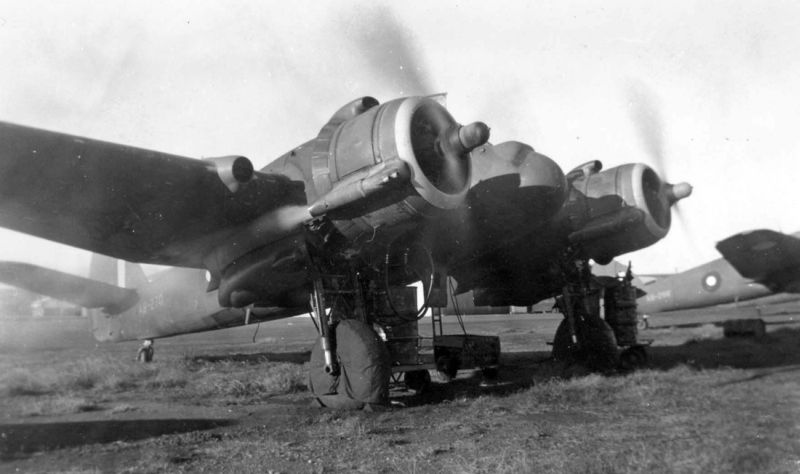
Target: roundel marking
711 281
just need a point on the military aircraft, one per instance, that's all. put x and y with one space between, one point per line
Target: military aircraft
126 304
385 195
755 264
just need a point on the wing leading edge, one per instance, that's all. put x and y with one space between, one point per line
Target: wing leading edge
130 203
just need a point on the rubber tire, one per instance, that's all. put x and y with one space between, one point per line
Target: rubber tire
490 374
602 353
364 369
563 349
642 323
597 345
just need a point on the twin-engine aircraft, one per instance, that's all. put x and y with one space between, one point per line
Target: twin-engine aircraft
755 264
385 195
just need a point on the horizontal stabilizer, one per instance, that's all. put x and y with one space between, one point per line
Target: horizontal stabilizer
66 287
768 257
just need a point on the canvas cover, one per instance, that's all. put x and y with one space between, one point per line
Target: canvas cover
364 369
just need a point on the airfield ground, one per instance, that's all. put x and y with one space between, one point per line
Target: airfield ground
218 402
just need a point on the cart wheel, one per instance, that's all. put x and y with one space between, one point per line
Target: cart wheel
418 380
447 366
490 376
633 357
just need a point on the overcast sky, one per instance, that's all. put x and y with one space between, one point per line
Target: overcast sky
713 86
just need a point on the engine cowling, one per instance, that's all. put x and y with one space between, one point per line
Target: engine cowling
619 210
378 167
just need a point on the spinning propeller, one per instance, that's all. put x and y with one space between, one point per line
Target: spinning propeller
646 116
387 48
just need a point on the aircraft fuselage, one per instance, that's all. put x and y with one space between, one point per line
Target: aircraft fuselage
713 283
175 302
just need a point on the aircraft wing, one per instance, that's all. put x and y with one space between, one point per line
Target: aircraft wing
71 288
768 257
130 203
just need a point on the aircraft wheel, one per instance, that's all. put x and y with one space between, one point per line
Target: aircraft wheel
417 380
364 369
633 357
597 345
642 323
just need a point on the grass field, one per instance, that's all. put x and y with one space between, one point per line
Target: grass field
705 404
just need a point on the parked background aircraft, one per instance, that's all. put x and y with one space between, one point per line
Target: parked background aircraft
755 265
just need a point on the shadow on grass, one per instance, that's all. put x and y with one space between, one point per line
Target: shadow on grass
300 357
778 348
775 353
517 371
17 440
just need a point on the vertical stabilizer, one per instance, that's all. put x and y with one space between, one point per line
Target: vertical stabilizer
134 275
107 323
117 272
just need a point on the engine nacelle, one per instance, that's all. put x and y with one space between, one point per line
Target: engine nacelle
619 210
369 176
373 166
232 170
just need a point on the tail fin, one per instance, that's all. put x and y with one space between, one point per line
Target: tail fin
107 325
116 272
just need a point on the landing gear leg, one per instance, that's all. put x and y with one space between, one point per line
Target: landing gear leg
325 339
583 337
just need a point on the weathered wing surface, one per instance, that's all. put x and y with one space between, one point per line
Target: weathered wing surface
134 204
71 288
769 257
